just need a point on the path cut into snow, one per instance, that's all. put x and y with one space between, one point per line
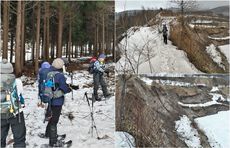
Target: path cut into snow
143 51
216 128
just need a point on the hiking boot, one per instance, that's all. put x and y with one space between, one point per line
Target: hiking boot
59 143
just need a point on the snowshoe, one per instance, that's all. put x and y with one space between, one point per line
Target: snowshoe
60 137
59 143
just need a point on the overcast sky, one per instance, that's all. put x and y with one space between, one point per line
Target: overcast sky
121 5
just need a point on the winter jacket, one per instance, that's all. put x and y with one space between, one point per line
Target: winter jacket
165 30
60 83
99 67
41 77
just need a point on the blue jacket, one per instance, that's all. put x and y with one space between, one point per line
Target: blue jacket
60 82
99 67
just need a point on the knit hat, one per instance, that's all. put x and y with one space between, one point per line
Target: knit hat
6 67
58 63
101 56
45 65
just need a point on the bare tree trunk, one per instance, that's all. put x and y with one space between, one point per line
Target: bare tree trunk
18 40
23 54
60 30
97 44
47 11
44 34
70 38
33 35
5 29
114 38
11 46
103 33
37 36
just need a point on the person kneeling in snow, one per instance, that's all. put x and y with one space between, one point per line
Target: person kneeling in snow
11 106
99 69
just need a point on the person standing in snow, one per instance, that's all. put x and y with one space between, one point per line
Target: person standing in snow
11 106
56 103
165 33
43 71
98 79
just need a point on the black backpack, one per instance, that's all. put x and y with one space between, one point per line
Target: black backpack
91 67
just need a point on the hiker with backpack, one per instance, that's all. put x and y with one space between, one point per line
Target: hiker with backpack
53 90
165 33
43 71
12 102
97 68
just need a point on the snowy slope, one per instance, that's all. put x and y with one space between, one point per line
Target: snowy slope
144 52
77 129
225 50
217 128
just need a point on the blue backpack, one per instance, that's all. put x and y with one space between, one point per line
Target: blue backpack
48 88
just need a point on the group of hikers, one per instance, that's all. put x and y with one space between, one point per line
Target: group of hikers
52 87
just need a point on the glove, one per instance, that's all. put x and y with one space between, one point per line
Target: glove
75 87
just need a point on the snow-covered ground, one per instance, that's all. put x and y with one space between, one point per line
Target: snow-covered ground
124 140
217 128
77 129
186 132
225 50
215 55
219 38
143 51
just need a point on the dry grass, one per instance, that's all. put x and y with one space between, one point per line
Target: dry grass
194 43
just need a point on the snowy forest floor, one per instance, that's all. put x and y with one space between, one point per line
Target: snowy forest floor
78 128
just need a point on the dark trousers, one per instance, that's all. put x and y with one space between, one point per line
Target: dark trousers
18 130
51 128
165 39
99 80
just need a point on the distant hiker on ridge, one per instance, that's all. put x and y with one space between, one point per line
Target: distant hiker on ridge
165 33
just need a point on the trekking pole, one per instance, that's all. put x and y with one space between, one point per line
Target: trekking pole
17 97
93 124
72 82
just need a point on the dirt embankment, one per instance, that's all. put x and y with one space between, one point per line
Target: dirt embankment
149 112
194 41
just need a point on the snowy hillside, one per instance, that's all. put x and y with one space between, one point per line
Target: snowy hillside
78 128
143 51
206 108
